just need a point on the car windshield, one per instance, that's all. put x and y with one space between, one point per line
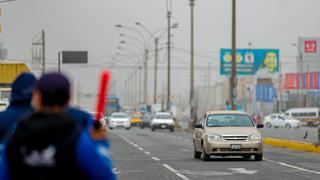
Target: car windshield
229 120
118 116
162 116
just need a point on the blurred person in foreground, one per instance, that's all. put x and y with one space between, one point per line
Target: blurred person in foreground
19 107
51 145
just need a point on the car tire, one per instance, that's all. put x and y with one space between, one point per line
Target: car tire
110 128
288 125
196 155
172 129
128 128
205 156
247 157
268 125
258 157
152 129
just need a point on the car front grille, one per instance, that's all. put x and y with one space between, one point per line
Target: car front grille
235 138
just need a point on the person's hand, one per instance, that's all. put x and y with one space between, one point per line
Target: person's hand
99 130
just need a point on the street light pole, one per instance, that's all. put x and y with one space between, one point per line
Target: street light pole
145 93
156 41
192 4
169 58
233 77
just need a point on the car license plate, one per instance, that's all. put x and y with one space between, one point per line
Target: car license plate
163 126
235 146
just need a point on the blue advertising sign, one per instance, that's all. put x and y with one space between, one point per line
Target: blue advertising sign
265 92
250 61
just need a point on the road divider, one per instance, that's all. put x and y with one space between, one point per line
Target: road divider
290 144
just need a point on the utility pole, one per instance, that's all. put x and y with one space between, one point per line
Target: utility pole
156 41
43 52
233 78
135 88
192 4
145 89
169 56
209 84
140 82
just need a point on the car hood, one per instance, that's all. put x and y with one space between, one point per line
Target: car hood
119 119
224 131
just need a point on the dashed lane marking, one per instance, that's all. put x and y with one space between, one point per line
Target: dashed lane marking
175 172
146 152
155 158
140 148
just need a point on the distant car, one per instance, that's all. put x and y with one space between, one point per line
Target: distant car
119 119
162 120
227 133
146 119
136 119
281 120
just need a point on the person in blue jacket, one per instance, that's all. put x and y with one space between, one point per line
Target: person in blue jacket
49 144
20 104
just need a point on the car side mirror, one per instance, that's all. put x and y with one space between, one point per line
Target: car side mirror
260 126
198 126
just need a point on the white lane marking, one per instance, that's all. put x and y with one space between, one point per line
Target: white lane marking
140 148
243 171
155 158
135 145
175 172
293 167
146 152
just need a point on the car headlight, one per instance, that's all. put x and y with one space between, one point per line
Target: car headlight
255 137
213 137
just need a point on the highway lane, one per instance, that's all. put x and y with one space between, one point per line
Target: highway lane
142 154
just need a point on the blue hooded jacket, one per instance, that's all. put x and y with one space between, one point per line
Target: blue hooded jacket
20 104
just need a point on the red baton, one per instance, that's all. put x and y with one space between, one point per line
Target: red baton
102 94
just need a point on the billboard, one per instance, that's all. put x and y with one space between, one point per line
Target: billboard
71 57
310 80
250 61
309 47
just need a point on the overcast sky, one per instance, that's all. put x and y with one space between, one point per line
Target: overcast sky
90 25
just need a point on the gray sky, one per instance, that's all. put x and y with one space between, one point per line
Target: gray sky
90 25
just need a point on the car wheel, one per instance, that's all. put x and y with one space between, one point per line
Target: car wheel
258 157
128 128
288 125
268 125
110 128
172 129
152 128
246 156
196 155
205 156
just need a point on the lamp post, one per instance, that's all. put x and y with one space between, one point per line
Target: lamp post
233 78
153 35
300 76
169 59
191 99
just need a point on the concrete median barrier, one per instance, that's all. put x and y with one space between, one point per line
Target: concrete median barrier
294 145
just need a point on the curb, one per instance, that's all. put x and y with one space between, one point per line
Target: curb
294 145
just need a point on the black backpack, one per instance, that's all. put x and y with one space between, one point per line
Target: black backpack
44 147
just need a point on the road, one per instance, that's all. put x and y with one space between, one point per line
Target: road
142 154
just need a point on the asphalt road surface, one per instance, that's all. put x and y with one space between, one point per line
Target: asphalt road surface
142 154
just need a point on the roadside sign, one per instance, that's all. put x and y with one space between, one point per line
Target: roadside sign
75 57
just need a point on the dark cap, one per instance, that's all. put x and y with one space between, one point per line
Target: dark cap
54 89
